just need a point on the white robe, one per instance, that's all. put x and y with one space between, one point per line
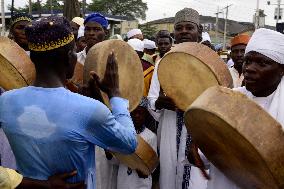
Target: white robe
230 63
171 168
273 104
125 181
7 158
237 79
106 171
81 56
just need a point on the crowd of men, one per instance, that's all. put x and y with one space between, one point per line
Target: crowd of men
55 138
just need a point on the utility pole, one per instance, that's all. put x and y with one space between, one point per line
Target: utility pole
278 9
278 12
84 8
225 28
30 7
217 27
51 7
257 15
12 8
3 18
39 7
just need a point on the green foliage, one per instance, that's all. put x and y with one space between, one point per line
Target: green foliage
131 8
148 30
39 6
35 7
56 5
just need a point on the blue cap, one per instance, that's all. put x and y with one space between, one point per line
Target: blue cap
97 17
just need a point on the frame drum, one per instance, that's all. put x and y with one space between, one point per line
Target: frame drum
239 137
145 159
188 70
131 80
16 67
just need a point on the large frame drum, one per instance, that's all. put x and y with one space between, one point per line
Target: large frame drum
131 84
238 137
130 69
16 67
188 70
145 159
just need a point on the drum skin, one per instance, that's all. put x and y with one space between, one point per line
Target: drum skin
239 137
131 83
78 74
16 68
188 70
144 158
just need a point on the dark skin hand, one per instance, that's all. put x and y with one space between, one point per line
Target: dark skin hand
141 175
195 159
110 83
92 89
109 156
165 102
54 182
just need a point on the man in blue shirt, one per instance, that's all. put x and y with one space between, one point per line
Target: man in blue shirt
52 130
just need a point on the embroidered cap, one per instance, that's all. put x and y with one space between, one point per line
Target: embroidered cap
20 17
49 33
187 15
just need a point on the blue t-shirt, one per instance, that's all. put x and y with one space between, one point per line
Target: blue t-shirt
52 130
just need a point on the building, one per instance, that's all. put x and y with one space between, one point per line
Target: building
117 24
128 25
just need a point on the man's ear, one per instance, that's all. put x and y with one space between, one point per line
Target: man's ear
106 32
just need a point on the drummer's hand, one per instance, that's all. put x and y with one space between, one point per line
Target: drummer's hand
195 159
141 175
59 181
92 89
165 102
109 156
110 82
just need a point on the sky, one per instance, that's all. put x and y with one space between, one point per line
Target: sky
241 10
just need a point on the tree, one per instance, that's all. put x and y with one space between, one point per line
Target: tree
131 8
56 5
148 31
35 6
71 9
38 6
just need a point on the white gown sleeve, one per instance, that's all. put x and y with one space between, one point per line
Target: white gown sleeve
154 94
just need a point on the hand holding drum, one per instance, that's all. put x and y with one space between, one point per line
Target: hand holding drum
110 83
128 67
120 74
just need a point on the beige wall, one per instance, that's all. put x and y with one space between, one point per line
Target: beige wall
165 26
128 25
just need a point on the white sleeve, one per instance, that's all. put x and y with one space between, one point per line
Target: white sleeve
154 94
153 142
